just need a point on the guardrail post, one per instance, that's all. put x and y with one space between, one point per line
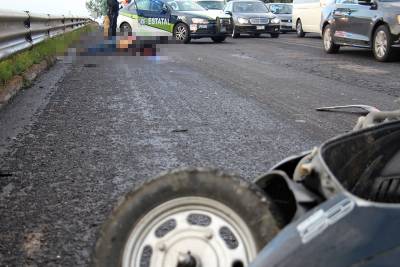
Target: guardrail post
27 24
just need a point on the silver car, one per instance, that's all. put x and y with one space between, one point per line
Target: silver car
284 12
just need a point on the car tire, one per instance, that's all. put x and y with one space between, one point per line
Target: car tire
299 29
218 39
274 35
181 33
125 28
329 45
235 33
228 200
257 35
382 44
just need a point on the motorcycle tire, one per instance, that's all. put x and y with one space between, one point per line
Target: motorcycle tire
174 215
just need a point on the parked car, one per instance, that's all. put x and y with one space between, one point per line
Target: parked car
306 17
371 24
252 17
284 12
182 19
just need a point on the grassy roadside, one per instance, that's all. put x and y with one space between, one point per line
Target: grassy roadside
20 62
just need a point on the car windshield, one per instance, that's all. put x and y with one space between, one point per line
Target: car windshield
281 9
219 5
249 7
185 5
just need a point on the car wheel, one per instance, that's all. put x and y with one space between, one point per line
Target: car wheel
126 28
257 35
204 217
235 33
218 39
329 46
274 35
181 33
382 44
299 29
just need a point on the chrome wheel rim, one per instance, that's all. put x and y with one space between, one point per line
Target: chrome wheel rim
189 241
126 28
381 44
180 33
327 39
298 28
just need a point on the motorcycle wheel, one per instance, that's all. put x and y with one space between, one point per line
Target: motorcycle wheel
188 218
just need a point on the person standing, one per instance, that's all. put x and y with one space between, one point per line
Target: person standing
112 13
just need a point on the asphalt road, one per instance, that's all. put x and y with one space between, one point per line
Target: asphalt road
92 128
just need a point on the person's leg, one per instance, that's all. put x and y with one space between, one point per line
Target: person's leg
110 27
114 24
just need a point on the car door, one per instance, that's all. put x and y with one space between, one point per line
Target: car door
341 14
361 21
154 18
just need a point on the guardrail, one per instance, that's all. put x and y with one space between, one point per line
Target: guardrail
22 30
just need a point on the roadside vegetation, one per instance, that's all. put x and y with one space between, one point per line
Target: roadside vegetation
17 64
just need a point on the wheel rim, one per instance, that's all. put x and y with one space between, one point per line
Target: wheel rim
381 44
186 242
180 32
327 39
298 28
126 28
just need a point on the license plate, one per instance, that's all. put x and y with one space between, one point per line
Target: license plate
260 27
223 29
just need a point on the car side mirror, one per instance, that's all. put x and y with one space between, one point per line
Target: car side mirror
228 13
374 5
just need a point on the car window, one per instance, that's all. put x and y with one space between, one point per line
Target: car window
280 9
228 7
249 7
132 6
150 5
347 2
185 5
156 5
143 4
219 5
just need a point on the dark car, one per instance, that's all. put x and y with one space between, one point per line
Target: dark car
184 19
284 12
252 17
371 24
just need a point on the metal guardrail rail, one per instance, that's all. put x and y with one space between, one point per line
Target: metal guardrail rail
22 30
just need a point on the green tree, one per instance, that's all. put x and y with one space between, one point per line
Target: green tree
97 7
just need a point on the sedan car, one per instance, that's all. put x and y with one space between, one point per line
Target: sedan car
252 17
369 24
284 12
183 19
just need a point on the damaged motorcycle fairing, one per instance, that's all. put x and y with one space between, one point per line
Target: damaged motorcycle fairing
345 207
